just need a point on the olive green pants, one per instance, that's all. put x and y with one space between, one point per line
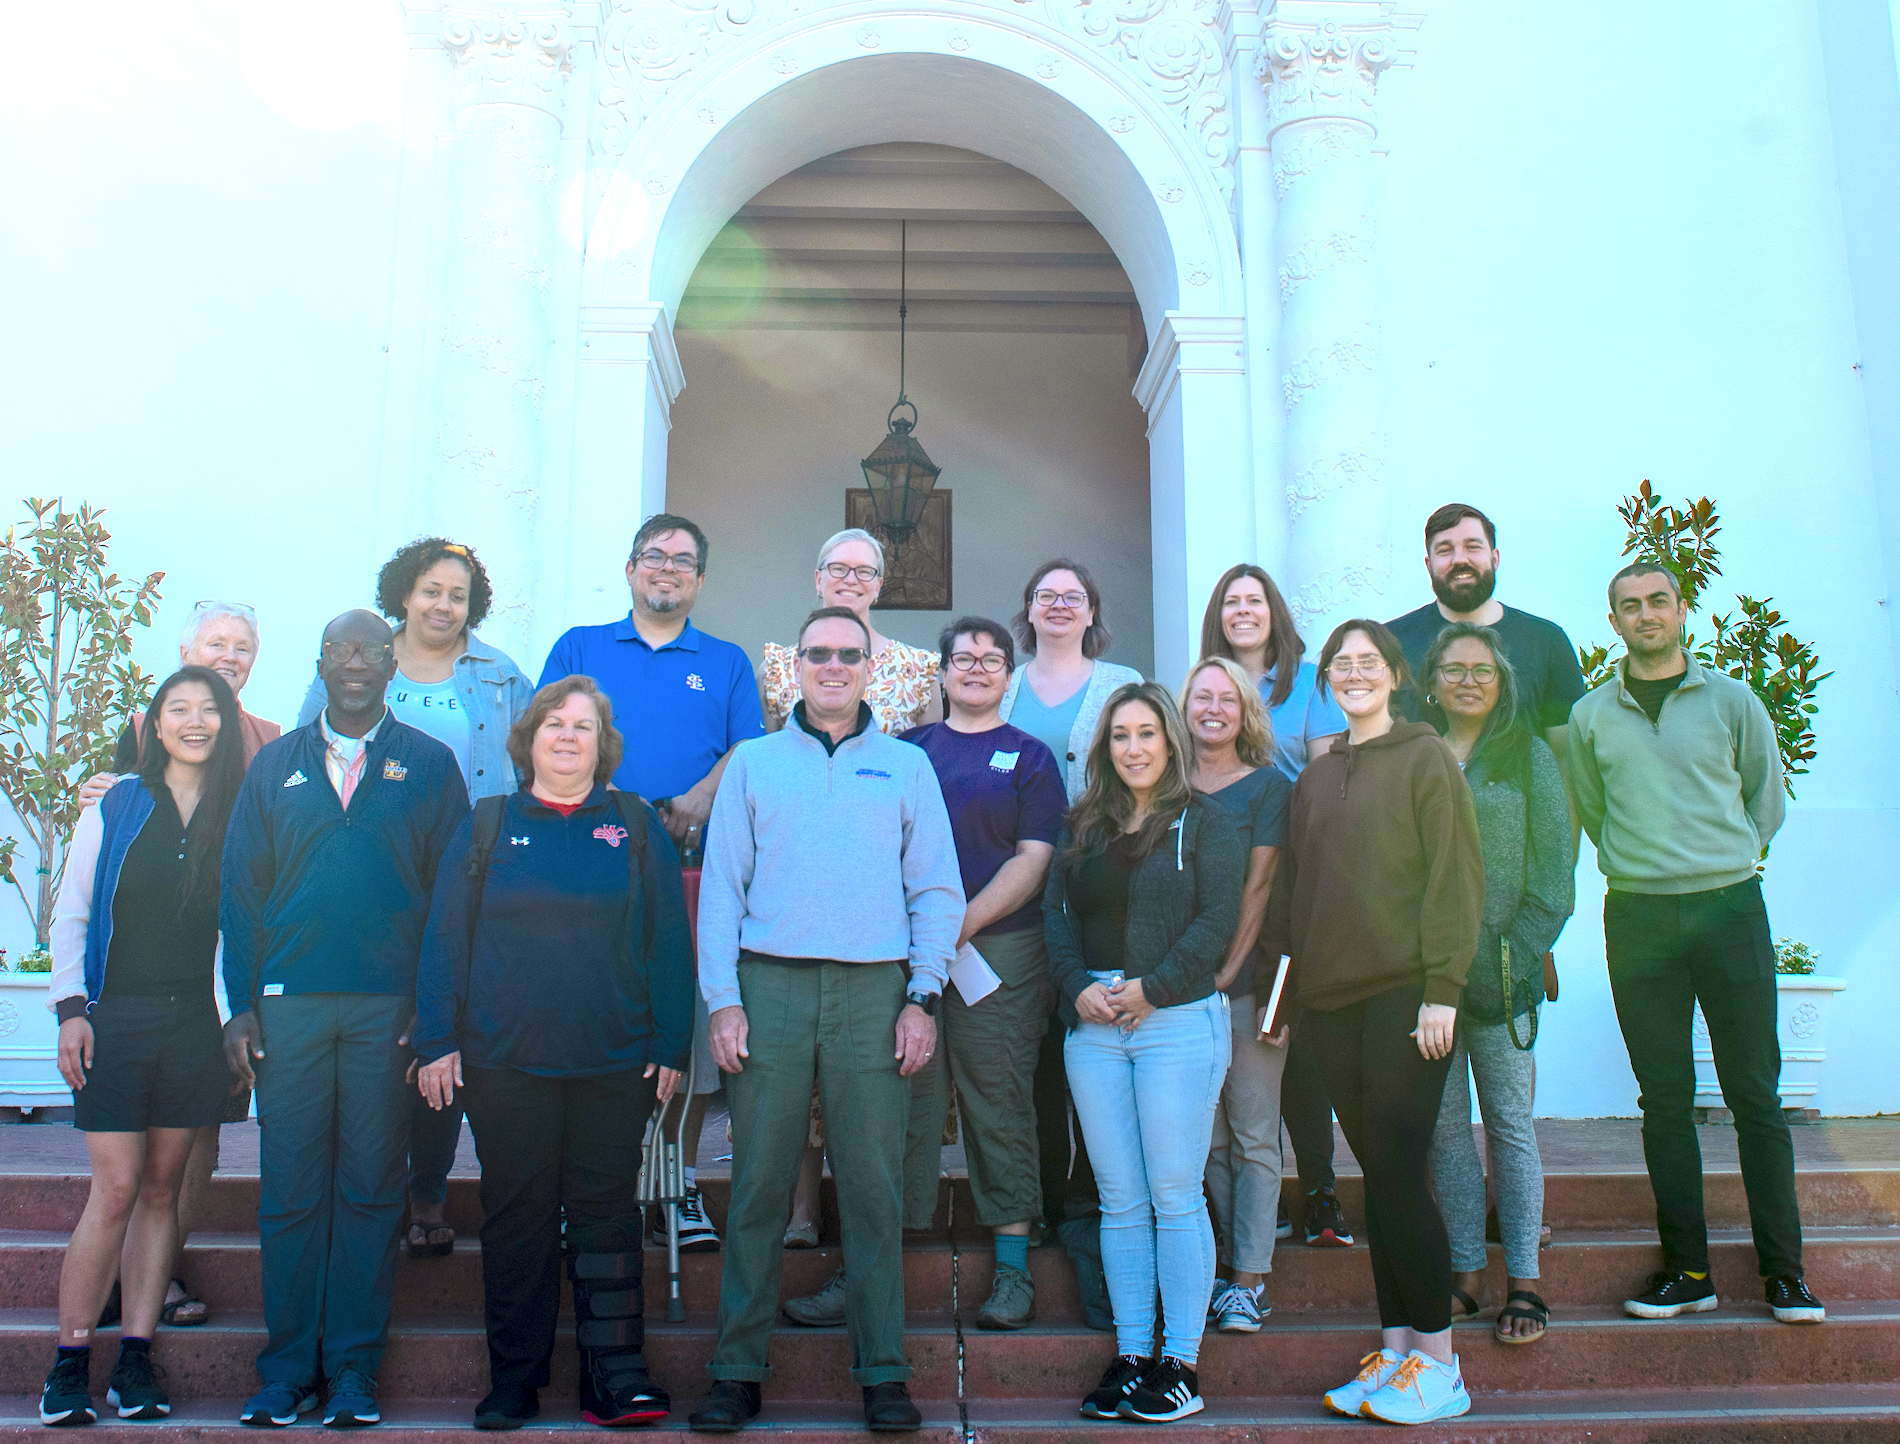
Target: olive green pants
988 1051
836 1022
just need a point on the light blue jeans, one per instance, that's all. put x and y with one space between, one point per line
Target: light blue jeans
1146 1101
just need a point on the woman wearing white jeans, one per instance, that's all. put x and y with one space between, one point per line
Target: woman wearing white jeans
1140 906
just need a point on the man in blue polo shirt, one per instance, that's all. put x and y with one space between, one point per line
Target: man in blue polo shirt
683 701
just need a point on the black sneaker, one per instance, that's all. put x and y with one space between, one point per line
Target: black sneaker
1170 1390
1325 1224
1105 1399
134 1389
1788 1296
1282 1225
1671 1292
66 1401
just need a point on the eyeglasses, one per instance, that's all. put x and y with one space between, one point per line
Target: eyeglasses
1344 667
376 654
1484 674
838 571
1074 601
969 661
819 656
655 560
238 609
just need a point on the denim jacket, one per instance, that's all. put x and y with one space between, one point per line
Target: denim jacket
1183 907
497 693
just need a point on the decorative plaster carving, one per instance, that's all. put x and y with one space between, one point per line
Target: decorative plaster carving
514 56
1322 60
1307 151
1353 243
1173 47
656 182
1322 363
1328 478
1171 190
1336 591
1199 273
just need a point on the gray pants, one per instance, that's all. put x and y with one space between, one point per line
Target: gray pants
1243 1165
333 1122
1506 1087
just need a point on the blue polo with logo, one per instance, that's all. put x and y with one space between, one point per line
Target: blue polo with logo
680 708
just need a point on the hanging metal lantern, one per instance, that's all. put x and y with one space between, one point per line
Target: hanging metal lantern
899 473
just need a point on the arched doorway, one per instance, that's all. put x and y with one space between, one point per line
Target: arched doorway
1024 343
992 83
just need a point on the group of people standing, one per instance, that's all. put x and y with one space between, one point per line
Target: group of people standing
1123 931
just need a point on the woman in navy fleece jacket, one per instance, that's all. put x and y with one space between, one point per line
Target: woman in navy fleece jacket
565 1008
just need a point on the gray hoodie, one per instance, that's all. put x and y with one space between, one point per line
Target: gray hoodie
847 857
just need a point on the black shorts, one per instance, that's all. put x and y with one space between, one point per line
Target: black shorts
156 1063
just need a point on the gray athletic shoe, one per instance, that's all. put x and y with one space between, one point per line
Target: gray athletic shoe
822 1310
1012 1301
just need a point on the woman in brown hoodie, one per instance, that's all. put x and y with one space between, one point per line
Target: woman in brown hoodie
1378 902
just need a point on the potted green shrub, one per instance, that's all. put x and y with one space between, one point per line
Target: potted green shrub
67 685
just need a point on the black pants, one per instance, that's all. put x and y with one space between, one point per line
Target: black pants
1386 1094
548 1145
1666 952
1308 1110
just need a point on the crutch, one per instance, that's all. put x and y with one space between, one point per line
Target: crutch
663 1167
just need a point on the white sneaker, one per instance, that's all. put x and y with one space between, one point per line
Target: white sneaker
1420 1390
1242 1309
697 1235
1374 1370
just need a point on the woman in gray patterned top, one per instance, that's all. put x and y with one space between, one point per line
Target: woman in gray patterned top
1529 892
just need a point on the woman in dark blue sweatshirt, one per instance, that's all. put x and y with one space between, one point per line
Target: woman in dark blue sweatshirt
557 989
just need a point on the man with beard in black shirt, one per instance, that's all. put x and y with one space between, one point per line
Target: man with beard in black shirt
1461 557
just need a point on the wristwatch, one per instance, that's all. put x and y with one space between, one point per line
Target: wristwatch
926 1001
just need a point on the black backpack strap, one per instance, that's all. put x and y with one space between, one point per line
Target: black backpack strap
633 816
481 847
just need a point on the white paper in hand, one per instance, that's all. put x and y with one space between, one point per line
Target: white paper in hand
973 975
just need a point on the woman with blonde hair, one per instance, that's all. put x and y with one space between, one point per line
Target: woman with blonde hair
1232 739
1138 912
903 690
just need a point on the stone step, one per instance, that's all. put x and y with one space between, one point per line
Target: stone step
1855 1414
1304 1354
1862 1196
1588 1268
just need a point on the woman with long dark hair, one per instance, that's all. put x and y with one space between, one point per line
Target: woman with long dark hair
1138 912
1378 902
135 941
1530 888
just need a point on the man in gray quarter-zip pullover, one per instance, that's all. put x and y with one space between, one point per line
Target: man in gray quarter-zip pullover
828 914
1676 774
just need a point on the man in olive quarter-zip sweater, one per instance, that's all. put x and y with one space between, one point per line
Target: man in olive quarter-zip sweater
829 910
1676 774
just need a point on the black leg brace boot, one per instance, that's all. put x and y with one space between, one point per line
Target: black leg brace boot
609 1303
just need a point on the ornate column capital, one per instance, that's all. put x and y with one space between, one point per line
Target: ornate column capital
510 54
1321 59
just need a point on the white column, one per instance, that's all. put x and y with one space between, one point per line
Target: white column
499 257
1194 388
1320 61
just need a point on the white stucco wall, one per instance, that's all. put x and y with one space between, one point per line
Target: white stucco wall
1606 257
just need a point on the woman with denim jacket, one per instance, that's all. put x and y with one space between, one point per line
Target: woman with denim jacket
1138 913
1530 888
465 694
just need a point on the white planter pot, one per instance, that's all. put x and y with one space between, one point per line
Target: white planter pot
1805 999
29 1045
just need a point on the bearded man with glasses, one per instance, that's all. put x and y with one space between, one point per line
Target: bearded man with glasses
828 914
329 865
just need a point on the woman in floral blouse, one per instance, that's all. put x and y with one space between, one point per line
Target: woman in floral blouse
903 691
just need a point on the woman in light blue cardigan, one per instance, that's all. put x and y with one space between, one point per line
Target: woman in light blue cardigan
1058 696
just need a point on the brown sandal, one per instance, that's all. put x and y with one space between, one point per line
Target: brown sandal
186 1312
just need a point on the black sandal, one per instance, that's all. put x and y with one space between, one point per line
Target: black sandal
429 1245
1533 1308
1463 1305
169 1313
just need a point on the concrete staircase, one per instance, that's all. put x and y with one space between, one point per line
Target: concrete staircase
1732 1375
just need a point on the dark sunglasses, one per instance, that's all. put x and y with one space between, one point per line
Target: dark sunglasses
818 656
